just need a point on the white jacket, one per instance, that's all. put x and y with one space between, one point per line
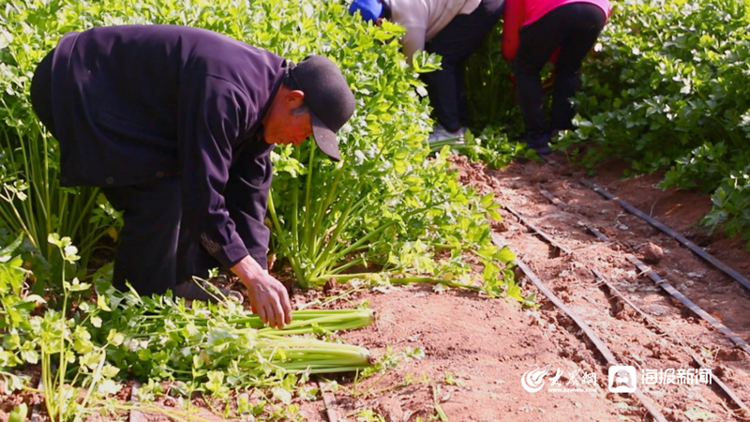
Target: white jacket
423 19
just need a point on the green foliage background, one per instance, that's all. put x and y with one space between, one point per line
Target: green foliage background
669 90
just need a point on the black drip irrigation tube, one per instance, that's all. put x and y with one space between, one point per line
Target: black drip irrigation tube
678 237
537 231
552 198
731 335
563 206
728 392
697 310
325 391
592 336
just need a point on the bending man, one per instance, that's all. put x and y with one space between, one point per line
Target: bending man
176 125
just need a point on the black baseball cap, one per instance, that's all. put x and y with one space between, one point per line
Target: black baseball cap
329 98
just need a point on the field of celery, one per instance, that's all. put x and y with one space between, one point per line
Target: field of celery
666 90
383 215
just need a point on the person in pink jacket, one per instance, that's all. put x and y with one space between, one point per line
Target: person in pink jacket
537 31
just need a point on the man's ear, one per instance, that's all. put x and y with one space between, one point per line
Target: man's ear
295 98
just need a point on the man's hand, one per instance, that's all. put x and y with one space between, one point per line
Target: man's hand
268 297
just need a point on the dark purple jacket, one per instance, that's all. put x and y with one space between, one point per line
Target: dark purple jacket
133 104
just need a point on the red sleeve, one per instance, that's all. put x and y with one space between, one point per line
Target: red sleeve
515 14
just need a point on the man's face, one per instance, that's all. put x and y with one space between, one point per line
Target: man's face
284 124
287 128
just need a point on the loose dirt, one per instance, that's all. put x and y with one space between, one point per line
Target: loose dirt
472 351
487 345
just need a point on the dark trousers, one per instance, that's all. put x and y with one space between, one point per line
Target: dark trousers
455 43
574 28
156 252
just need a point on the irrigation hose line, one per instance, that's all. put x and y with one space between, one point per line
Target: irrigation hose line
563 206
678 237
615 292
603 349
664 284
552 198
538 231
691 305
733 337
328 399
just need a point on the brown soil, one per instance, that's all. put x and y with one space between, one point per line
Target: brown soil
477 349
489 344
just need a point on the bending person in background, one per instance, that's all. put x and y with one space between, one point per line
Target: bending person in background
532 31
451 28
176 125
